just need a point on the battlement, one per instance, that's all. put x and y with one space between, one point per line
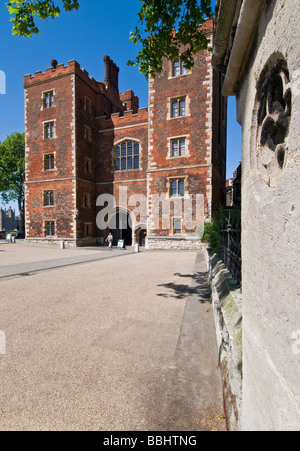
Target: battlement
129 101
61 70
119 120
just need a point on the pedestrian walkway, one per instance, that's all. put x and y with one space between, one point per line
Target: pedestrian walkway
116 344
63 257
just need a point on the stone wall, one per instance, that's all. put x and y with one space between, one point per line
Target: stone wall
227 307
269 111
173 243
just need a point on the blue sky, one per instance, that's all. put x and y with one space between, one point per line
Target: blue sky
99 28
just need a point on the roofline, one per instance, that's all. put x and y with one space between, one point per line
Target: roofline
233 40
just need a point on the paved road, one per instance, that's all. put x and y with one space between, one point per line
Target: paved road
123 343
22 259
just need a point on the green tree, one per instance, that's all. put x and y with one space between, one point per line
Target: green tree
23 13
12 170
158 21
165 28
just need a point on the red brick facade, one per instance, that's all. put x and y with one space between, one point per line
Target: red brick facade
85 139
201 128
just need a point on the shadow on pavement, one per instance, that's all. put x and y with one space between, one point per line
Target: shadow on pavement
199 286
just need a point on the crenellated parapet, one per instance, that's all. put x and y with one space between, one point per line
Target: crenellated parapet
60 70
128 118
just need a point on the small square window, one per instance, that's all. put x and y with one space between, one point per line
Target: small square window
178 107
49 130
48 99
178 147
177 225
177 188
178 68
49 162
49 198
50 228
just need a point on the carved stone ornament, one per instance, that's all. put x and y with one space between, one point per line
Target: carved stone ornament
274 117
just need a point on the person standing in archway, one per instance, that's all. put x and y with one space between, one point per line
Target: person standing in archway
109 239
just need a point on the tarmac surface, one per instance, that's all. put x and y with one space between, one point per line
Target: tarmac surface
107 341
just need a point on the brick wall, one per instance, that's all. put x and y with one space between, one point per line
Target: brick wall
60 176
132 127
91 119
203 162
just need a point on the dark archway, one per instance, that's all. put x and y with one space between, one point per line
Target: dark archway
120 227
140 235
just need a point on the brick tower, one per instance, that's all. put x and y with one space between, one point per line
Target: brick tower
187 151
85 140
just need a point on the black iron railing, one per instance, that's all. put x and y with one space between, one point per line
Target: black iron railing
230 248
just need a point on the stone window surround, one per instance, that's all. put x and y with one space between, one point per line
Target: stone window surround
45 123
43 107
171 70
118 143
187 107
44 198
187 145
169 186
44 161
48 221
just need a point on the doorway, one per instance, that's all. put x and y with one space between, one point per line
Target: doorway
120 227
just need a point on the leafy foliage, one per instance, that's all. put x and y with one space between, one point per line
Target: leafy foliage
12 169
212 232
23 13
165 27
220 221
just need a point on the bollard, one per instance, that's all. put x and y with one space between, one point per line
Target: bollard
62 245
136 248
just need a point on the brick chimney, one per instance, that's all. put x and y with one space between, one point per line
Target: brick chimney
111 74
54 64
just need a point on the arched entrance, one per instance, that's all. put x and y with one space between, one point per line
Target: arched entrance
140 234
120 226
